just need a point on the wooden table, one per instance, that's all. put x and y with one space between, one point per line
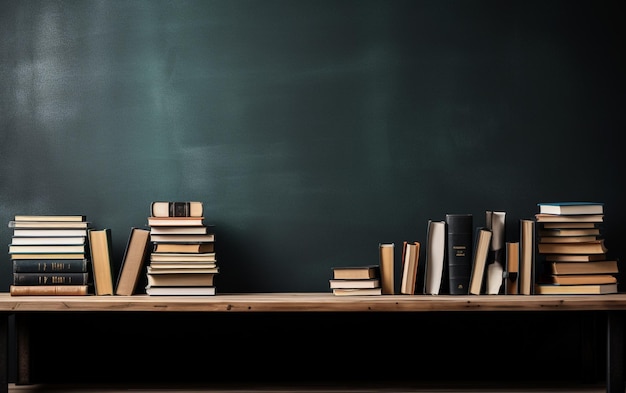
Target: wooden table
612 307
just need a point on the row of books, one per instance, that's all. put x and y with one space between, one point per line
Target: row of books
559 251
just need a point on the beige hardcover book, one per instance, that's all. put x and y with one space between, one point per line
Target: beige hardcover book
386 259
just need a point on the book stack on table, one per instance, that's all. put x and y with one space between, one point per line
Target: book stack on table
572 254
182 260
356 280
49 255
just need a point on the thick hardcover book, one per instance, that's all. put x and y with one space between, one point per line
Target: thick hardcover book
410 261
49 290
582 289
134 260
571 208
175 238
459 254
479 260
176 209
435 256
362 283
48 240
100 243
175 221
496 222
577 218
52 232
49 217
576 279
180 279
46 248
589 247
357 291
594 267
356 272
50 265
66 278
48 224
57 256
182 230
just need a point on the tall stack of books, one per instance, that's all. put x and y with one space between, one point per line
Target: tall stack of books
50 255
572 256
356 280
182 260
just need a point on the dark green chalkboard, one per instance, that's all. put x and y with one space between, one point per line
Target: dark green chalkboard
312 130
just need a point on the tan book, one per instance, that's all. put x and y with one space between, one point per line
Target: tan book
575 279
101 248
573 218
527 256
356 272
410 262
133 261
180 238
175 221
49 290
184 247
569 231
357 291
596 267
512 268
589 247
78 255
574 257
362 283
567 239
582 289
182 257
49 217
479 259
386 257
181 279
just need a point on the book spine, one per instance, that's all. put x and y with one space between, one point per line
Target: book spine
49 290
50 278
49 265
460 235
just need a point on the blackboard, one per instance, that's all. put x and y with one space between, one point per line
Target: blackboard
311 130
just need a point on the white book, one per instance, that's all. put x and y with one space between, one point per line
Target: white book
435 256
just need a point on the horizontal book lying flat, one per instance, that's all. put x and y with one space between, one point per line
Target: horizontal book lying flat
569 225
49 217
541 217
182 257
357 291
49 290
175 221
52 232
163 270
571 208
48 240
180 291
48 224
575 279
591 247
177 238
594 267
356 272
50 265
57 256
60 278
569 231
589 289
363 283
575 257
178 279
50 248
182 265
184 230
184 248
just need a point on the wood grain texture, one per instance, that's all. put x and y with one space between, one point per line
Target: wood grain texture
311 302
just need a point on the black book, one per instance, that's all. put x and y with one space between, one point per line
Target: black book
50 265
459 250
50 278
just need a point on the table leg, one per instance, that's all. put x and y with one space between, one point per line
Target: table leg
615 352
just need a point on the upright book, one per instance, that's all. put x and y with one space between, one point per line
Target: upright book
481 252
410 261
100 244
527 256
512 268
460 243
386 255
435 256
495 221
133 261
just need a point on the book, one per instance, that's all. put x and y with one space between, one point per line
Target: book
101 260
176 209
571 208
357 283
357 291
184 230
176 238
479 259
180 279
182 270
526 256
410 261
577 218
567 239
175 221
435 256
356 272
545 231
386 259
184 247
46 248
49 290
588 247
459 250
512 268
48 224
56 278
576 279
596 267
133 261
181 291
581 289
574 257
57 256
50 232
495 221
182 265
49 217
182 257
50 265
31 240
569 225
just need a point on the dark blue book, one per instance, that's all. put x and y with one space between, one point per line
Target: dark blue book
459 251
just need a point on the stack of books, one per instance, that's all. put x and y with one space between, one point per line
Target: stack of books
50 255
356 280
572 256
182 260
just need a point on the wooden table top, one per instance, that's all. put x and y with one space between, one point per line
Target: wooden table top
311 302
